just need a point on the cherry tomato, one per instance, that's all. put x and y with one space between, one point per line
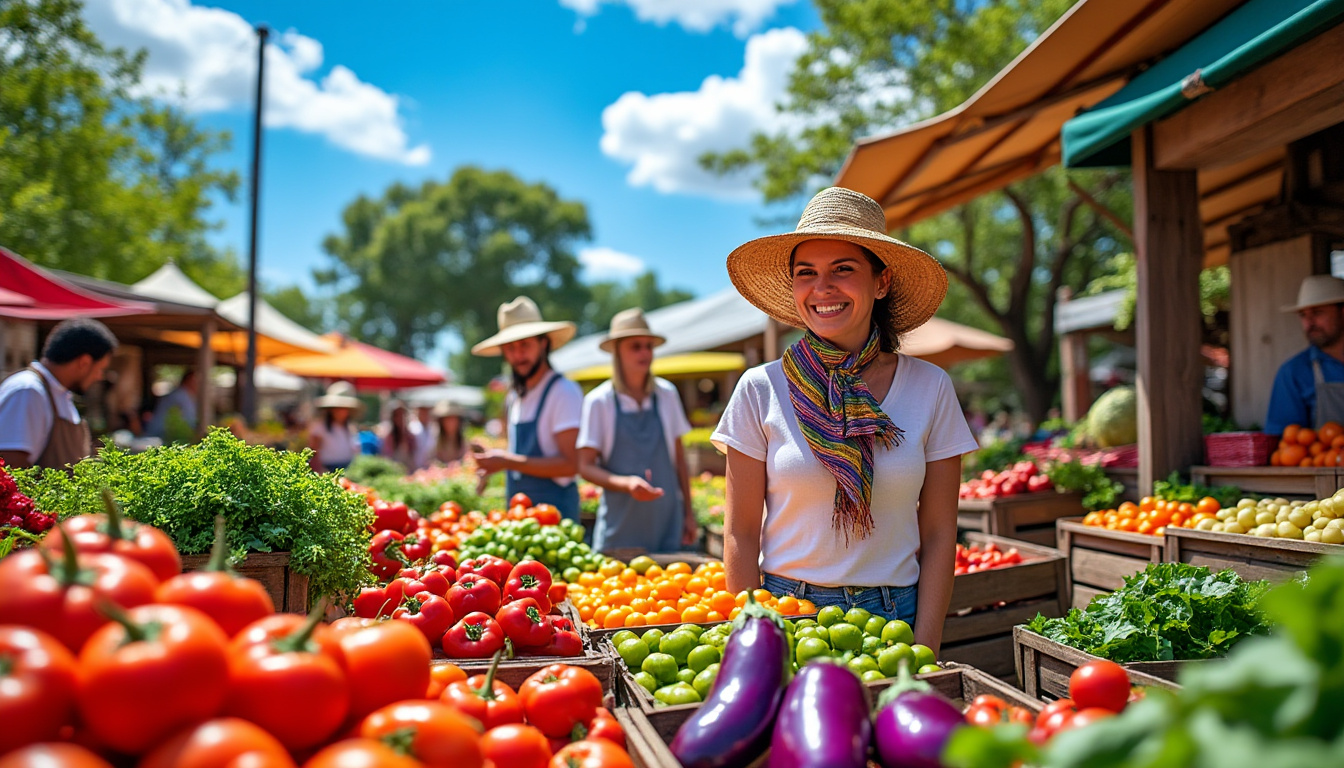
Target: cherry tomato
167 667
37 687
520 500
53 756
441 676
360 753
983 715
517 746
991 701
1058 705
433 733
595 753
1021 715
604 726
558 697
218 743
1101 684
384 663
113 534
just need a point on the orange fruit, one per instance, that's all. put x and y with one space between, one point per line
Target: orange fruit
723 602
1304 463
741 598
668 615
718 580
636 620
1290 433
600 615
1145 526
1092 518
681 579
1292 455
1315 449
806 606
735 613
715 616
695 615
615 619
677 568
1306 436
1147 504
1128 524
653 572
1208 505
1329 431
1274 459
697 585
788 605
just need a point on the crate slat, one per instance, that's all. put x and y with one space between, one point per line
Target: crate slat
1314 482
1026 517
288 590
1099 559
1252 557
1044 666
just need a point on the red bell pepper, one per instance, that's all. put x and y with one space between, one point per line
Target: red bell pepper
474 593
391 516
373 602
565 642
386 551
417 547
428 613
475 636
558 592
529 579
525 623
561 623
493 568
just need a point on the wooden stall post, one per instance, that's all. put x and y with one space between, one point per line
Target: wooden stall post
1074 374
205 382
1169 240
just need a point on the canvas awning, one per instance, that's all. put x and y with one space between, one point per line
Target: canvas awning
170 283
689 364
52 298
945 343
364 365
276 334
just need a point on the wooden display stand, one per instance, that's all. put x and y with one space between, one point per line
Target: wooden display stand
1313 482
1044 666
1252 557
1100 559
288 590
1025 517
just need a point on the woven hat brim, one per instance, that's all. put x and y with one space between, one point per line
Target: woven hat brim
337 401
609 343
1310 304
760 271
560 333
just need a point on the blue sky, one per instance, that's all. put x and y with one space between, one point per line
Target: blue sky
365 94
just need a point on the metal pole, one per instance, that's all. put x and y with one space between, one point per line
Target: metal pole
249 404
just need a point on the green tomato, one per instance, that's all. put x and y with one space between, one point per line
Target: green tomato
621 637
857 616
686 675
923 655
811 648
846 637
897 631
805 623
571 574
806 632
678 645
646 681
677 693
702 656
824 634
871 645
889 660
704 681
714 639
829 615
872 676
633 652
694 629
874 626
661 666
653 638
642 564
928 669
862 663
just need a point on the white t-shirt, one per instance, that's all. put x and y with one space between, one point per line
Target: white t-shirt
25 414
599 416
797 538
339 445
564 409
426 434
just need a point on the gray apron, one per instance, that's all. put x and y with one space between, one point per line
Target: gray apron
622 522
1329 398
523 440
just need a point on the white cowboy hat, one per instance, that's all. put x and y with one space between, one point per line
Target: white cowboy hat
760 269
340 394
1318 291
521 319
629 323
445 408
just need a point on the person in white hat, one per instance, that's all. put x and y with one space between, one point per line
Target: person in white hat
1309 386
853 449
450 443
543 410
630 445
333 438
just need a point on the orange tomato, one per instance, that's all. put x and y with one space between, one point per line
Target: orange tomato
676 568
1306 436
1145 526
1304 463
762 595
1292 455
1274 459
806 607
1290 433
695 615
723 602
1148 503
788 605
697 585
636 620
668 615
1330 430
1208 505
715 616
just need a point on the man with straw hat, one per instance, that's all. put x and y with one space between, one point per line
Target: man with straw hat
630 445
1309 387
543 410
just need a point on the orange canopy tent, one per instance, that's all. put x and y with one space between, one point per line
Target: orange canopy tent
945 343
365 366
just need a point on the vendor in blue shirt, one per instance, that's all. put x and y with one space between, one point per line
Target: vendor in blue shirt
1309 387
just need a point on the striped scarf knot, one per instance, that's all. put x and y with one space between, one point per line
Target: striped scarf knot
841 421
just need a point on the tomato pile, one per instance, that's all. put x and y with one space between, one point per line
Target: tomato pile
1152 515
1022 477
975 558
1097 690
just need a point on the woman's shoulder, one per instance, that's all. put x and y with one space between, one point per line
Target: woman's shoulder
923 372
600 391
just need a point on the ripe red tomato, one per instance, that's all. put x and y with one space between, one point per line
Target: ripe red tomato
991 701
232 601
595 753
61 601
53 756
1101 684
488 701
520 500
93 534
218 743
384 663
604 726
558 697
983 715
37 687
517 746
1059 705
1086 717
360 753
439 736
138 685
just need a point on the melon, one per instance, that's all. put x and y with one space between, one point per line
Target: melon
1114 418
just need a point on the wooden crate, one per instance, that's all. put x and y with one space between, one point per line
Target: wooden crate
288 590
1025 517
1129 478
647 739
1252 557
1099 559
1044 666
1313 482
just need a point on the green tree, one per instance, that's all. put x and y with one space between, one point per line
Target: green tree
293 302
877 64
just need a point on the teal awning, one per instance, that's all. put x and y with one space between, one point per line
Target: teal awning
1240 42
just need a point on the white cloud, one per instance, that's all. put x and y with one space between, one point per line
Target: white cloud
663 135
210 54
606 263
694 15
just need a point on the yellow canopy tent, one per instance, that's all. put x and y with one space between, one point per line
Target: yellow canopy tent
672 366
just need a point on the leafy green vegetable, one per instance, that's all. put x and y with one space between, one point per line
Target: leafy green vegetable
1168 611
271 500
995 456
1173 489
1098 489
368 470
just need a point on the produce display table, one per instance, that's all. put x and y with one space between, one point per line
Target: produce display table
1100 559
288 590
1252 557
1044 666
1025 517
1313 482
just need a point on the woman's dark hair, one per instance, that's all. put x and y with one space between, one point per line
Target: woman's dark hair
78 336
883 318
459 435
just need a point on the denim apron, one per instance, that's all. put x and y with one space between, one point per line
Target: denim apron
523 440
623 522
1329 397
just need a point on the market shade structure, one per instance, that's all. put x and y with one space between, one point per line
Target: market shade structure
51 298
12 299
276 334
170 283
945 343
364 365
688 364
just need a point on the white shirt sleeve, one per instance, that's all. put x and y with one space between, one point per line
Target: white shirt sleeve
949 434
565 409
25 421
742 426
594 429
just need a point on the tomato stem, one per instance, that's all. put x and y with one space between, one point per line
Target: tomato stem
135 633
219 550
114 516
66 571
487 689
300 639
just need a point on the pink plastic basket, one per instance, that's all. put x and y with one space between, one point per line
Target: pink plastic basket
1239 449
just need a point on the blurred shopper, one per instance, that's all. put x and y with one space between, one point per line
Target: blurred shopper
630 445
543 410
183 398
399 444
332 436
425 432
450 442
39 423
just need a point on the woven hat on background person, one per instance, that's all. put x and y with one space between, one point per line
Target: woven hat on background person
340 394
629 323
759 269
1318 291
521 319
445 408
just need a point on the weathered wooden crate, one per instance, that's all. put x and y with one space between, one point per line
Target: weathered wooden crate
647 738
1044 666
1252 557
1313 482
1025 517
1100 559
288 590
978 630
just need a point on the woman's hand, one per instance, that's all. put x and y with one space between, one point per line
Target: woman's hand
690 532
642 488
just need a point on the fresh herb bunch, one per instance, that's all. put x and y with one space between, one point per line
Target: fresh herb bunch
1168 611
1098 489
368 470
995 456
1173 489
271 501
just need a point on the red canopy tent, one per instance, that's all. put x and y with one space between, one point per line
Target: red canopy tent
51 298
365 366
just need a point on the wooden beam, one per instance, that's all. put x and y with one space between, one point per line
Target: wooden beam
205 381
1292 96
1169 246
1102 210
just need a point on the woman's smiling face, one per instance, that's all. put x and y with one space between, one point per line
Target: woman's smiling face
834 287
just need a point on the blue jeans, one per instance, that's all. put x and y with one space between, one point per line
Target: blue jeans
887 602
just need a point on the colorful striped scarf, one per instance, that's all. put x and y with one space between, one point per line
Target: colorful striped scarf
841 421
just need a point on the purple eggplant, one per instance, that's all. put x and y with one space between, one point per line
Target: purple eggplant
823 720
732 727
913 724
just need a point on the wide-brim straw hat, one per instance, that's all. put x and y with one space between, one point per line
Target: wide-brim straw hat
1318 291
340 394
760 269
445 408
627 324
521 319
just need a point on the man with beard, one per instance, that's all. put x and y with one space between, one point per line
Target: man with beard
543 410
1309 387
39 423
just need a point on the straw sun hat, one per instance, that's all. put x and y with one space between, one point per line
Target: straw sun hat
629 323
521 319
760 268
445 408
1318 291
340 394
